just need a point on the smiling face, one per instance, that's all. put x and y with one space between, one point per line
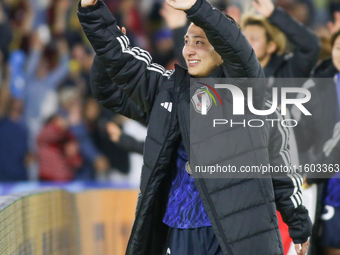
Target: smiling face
200 56
336 53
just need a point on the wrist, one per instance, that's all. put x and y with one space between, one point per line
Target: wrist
194 8
88 8
87 3
270 13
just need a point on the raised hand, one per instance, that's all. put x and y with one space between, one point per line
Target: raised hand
87 3
264 7
334 26
181 5
174 18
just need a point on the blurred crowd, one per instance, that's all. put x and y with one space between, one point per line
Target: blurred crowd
50 126
52 129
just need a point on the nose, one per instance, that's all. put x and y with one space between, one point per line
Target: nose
188 50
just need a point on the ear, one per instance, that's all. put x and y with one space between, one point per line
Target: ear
271 47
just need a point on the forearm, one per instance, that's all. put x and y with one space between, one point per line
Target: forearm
227 39
302 38
87 148
287 185
33 62
288 199
111 97
131 69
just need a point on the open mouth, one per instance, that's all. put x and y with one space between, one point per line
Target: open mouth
193 63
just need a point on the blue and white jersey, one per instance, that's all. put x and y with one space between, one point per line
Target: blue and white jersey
185 208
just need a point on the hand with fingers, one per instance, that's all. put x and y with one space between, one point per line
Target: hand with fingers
123 29
334 27
87 3
303 249
264 7
114 132
173 18
181 5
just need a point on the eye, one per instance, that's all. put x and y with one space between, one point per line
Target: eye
199 42
186 41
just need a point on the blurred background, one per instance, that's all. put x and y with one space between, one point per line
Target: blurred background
52 131
45 95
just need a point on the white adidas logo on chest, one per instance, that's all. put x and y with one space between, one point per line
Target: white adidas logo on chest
167 105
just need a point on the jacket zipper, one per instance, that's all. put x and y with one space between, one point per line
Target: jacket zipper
160 153
205 191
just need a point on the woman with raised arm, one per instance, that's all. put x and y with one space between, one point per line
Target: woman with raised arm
178 214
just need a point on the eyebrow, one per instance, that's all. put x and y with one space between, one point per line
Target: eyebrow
195 36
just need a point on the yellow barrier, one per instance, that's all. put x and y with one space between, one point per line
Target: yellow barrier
55 222
39 223
106 218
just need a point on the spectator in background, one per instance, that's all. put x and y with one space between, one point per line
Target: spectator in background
95 163
132 140
123 140
95 118
41 84
268 33
13 139
320 134
325 34
177 22
21 18
58 150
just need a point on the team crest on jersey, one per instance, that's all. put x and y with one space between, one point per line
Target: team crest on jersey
201 100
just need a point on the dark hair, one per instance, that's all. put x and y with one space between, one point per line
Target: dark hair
51 118
334 37
272 32
256 22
